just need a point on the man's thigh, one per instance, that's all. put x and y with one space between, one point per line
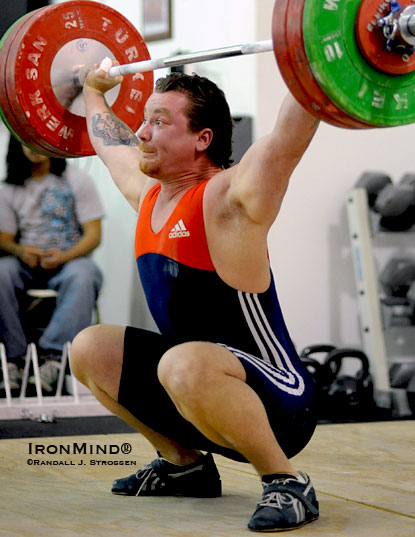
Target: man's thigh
288 397
143 395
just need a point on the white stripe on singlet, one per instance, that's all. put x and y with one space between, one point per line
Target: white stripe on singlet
272 352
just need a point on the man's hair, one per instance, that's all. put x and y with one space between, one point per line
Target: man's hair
19 167
207 108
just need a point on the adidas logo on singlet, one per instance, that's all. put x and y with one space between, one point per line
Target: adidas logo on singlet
179 230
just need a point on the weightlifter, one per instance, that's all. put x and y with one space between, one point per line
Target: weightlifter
222 376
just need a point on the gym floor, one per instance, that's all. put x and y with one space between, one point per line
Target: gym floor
363 474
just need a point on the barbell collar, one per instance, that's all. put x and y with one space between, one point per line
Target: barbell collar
193 57
407 24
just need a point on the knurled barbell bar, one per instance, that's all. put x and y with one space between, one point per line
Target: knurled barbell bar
349 63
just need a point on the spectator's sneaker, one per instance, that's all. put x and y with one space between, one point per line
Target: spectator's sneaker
287 503
48 373
162 478
15 377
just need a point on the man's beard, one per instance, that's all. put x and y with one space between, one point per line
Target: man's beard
149 168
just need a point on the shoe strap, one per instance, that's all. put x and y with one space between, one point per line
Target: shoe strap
166 470
293 490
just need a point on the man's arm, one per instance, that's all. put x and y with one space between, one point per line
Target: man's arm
114 142
90 239
260 180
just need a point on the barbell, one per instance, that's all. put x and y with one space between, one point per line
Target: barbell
349 63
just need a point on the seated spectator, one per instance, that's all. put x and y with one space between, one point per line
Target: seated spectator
50 222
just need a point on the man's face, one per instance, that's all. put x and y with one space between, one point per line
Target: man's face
167 146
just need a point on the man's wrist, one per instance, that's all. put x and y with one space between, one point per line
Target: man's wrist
87 88
17 250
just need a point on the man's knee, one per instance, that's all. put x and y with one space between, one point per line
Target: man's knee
83 349
97 357
182 368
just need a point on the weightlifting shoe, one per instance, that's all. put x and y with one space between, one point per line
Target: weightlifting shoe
287 503
48 373
162 478
14 375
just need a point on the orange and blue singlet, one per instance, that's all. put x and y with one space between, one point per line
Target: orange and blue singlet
190 302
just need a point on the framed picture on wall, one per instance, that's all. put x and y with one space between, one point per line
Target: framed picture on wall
156 19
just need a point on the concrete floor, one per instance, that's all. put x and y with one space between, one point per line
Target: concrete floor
363 475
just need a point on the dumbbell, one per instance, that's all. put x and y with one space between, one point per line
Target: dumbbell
396 280
373 183
410 391
402 376
396 204
410 295
397 276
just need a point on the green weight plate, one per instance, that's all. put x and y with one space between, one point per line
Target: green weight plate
370 96
302 69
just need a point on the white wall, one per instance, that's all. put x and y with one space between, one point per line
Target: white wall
309 245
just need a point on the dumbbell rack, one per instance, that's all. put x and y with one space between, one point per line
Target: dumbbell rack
361 229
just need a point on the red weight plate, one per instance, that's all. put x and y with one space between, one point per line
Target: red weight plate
22 129
372 41
288 72
297 52
8 115
75 24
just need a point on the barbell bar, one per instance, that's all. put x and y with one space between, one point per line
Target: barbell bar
192 57
339 59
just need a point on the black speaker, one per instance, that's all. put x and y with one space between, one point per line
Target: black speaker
13 10
242 136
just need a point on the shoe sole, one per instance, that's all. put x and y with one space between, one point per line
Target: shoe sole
215 493
274 530
178 495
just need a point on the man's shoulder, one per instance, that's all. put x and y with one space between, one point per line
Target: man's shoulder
217 186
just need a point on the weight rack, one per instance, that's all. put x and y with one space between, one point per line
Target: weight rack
371 319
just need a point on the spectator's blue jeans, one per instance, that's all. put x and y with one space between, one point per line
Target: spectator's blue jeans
77 284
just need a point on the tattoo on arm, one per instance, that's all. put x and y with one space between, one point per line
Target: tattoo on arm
112 130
